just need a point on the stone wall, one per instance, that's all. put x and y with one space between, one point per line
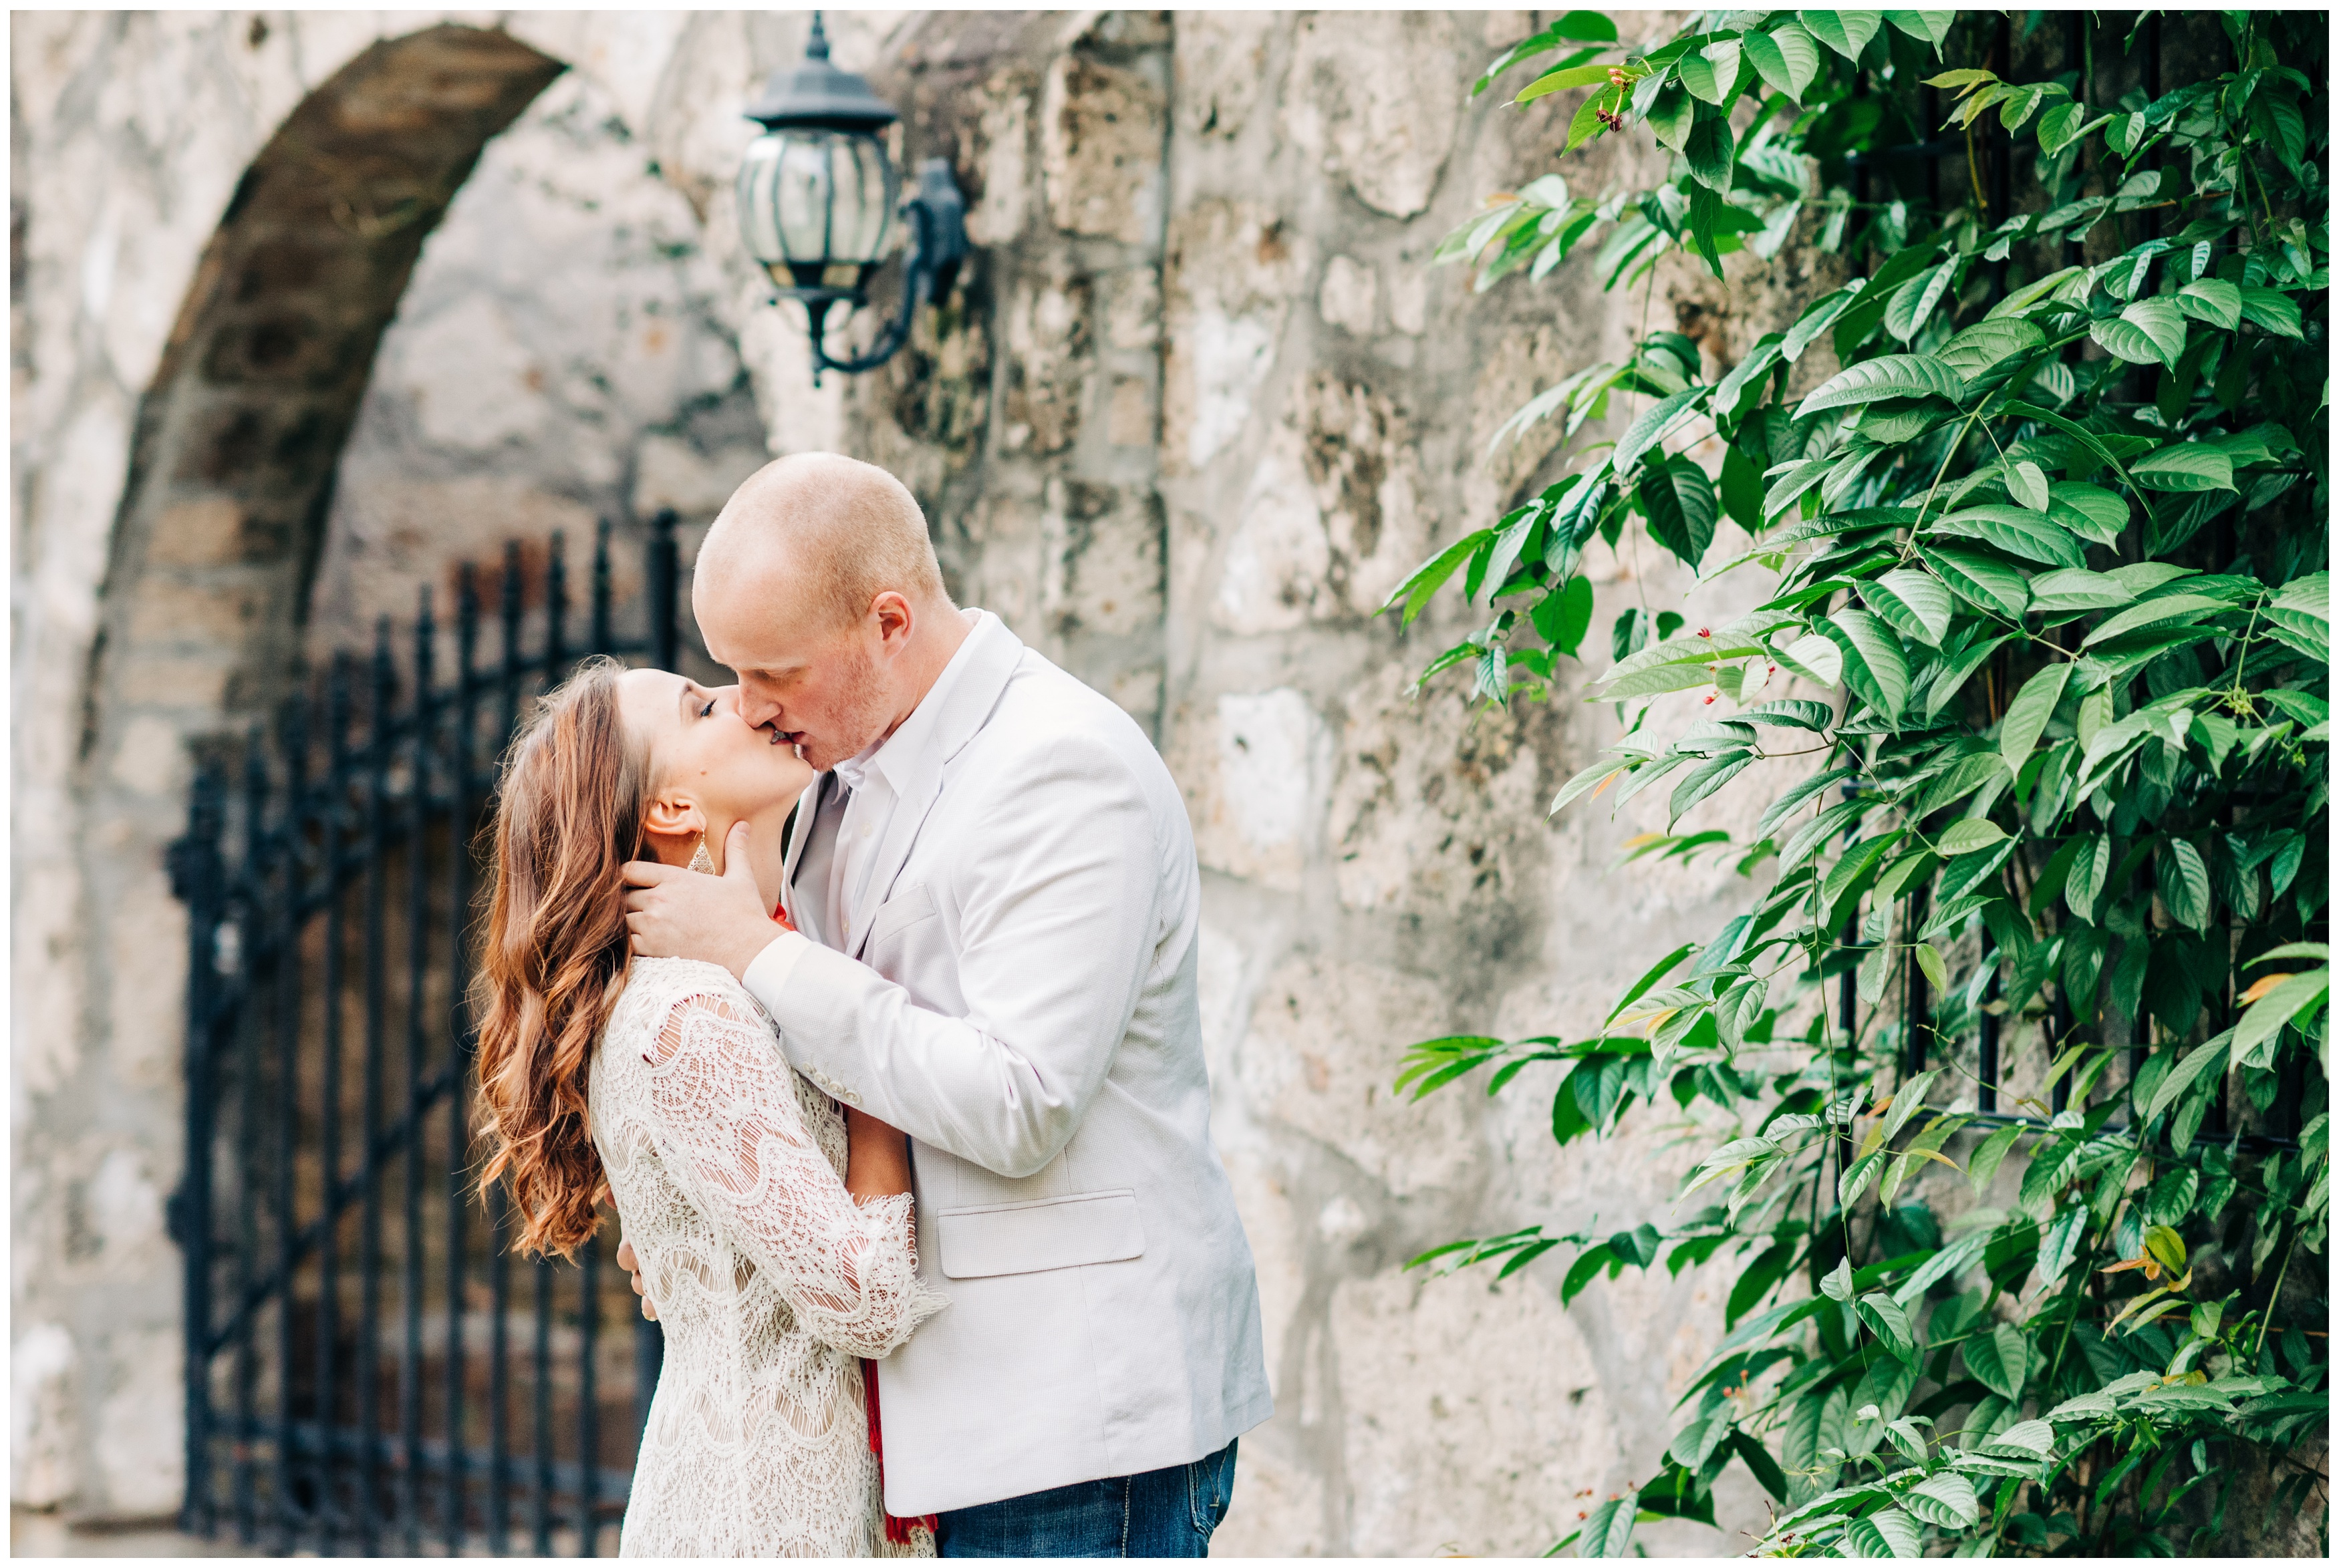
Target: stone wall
1196 404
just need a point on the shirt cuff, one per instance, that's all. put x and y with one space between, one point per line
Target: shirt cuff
767 976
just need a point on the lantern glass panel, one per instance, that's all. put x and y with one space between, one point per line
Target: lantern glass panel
812 199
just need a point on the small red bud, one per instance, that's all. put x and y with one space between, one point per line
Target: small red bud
1705 632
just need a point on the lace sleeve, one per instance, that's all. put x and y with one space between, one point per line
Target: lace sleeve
727 1118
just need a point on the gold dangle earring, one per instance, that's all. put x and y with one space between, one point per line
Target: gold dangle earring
700 861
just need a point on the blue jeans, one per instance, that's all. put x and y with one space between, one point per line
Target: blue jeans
1166 1513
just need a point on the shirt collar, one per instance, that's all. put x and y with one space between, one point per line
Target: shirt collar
896 755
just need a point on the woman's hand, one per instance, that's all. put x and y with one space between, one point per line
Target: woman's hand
631 1265
878 1162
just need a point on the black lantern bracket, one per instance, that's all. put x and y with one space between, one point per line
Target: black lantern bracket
937 218
819 98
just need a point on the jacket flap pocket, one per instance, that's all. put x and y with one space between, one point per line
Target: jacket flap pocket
1027 1238
906 908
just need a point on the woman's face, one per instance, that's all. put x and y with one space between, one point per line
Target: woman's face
710 768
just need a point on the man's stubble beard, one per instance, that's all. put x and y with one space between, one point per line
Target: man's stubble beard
861 715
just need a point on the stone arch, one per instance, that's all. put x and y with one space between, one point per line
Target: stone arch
238 437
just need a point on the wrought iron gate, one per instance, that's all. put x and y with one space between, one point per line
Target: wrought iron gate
364 1373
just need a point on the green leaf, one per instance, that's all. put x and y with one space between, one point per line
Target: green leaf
1837 1286
2145 331
1913 601
2184 884
1711 776
1889 1322
1887 1533
1800 713
2154 611
2203 1060
1786 58
1876 668
2059 1248
1845 32
1647 430
2016 530
2187 466
1681 506
1891 375
1969 835
2212 300
1937 970
1414 592
1710 73
2027 483
1925 27
1946 1498
1657 971
1711 152
2026 715
1815 657
1671 117
2262 1023
1561 618
1990 1157
2101 515
1561 81
1608 1532
1987 343
2271 308
1913 302
1983 581
2000 1359
1587 779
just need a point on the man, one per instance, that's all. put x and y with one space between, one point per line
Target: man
995 882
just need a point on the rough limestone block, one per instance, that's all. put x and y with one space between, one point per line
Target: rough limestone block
1435 809
1323 1040
1474 1414
1376 98
1346 300
1101 134
1253 776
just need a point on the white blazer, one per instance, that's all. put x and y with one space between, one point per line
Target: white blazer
1023 1005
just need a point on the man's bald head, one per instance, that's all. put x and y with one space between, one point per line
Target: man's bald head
830 532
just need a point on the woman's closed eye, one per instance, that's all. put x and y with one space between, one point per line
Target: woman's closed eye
709 711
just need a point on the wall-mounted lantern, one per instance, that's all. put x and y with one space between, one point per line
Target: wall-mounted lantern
818 195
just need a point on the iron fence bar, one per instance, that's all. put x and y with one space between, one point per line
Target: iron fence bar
195 869
665 576
288 1030
329 1261
556 610
376 981
254 881
499 1256
540 1491
1986 1096
1915 1016
602 643
588 1420
459 861
418 960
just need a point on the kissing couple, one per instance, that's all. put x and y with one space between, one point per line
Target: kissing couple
866 989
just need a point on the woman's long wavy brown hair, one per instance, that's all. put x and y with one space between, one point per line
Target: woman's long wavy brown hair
552 959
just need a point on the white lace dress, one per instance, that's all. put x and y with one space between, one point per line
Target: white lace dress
771 1282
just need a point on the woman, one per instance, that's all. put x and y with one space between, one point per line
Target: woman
774 1233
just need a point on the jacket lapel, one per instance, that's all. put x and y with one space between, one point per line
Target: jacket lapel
799 835
991 653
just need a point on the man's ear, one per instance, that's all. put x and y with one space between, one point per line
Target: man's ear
672 824
895 619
